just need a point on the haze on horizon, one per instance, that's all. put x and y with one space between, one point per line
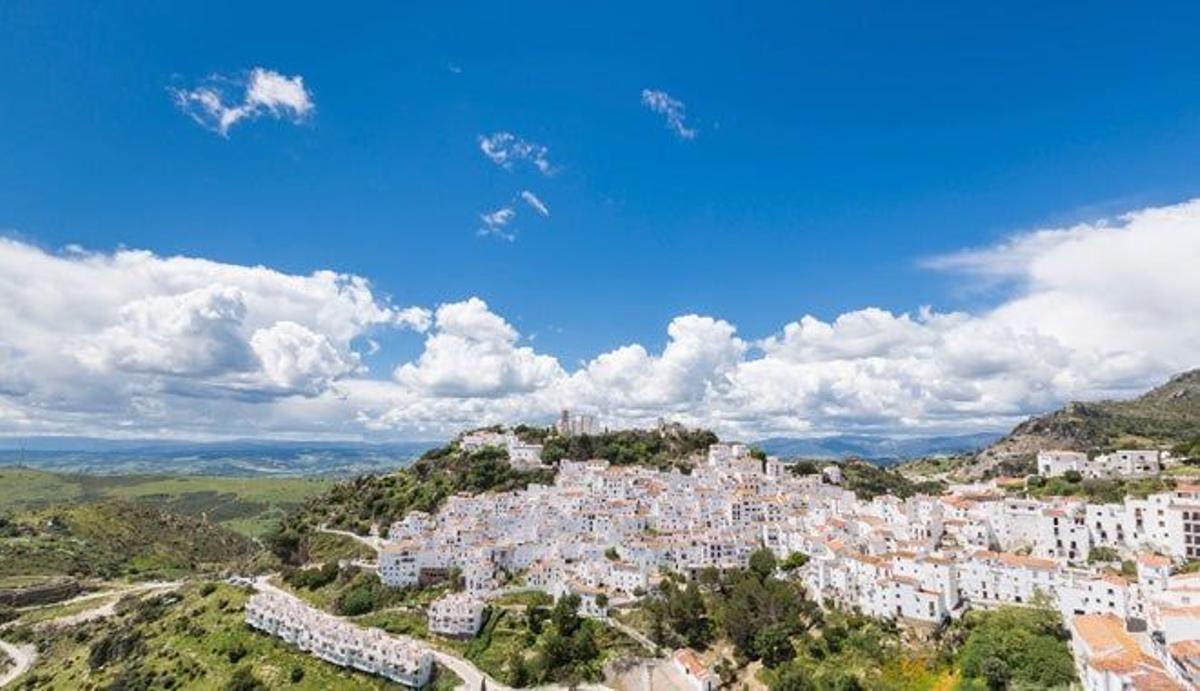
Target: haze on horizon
396 223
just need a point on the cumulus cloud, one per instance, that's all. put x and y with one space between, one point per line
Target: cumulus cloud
673 110
261 92
159 345
536 203
103 335
506 149
473 353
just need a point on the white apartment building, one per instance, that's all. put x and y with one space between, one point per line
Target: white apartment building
1055 463
369 650
1122 463
456 615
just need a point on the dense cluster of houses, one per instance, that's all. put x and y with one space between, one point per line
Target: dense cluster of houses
370 650
606 533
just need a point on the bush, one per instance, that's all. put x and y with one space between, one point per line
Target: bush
357 600
113 647
236 652
243 679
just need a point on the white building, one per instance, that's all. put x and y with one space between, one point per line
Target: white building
456 614
369 650
1055 463
724 452
1109 659
1125 463
519 453
699 677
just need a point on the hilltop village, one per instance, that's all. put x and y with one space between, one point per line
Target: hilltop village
606 535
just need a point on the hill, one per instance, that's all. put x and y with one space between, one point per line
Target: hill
113 538
378 500
249 505
192 638
1165 416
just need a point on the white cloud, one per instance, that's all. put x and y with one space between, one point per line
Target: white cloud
178 346
538 205
505 149
95 340
296 359
262 92
472 353
416 318
495 223
672 109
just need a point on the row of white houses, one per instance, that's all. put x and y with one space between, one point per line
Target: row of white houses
342 643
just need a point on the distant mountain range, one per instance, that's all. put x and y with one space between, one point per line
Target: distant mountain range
876 448
237 457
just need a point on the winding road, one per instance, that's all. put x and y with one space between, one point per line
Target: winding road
25 655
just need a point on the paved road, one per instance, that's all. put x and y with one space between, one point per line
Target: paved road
23 655
471 675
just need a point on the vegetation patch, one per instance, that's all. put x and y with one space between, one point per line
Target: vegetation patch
195 638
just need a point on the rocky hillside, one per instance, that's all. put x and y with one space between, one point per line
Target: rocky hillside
1163 417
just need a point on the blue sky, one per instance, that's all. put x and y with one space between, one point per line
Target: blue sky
836 148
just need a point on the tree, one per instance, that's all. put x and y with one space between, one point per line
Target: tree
565 615
794 561
762 564
1072 476
774 645
1018 646
1097 554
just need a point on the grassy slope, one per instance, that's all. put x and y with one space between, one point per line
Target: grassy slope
190 644
249 505
109 539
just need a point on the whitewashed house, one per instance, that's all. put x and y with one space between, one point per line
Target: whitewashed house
456 615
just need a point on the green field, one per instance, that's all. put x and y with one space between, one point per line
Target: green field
248 505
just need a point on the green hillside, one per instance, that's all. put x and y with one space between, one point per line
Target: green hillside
248 505
113 538
193 638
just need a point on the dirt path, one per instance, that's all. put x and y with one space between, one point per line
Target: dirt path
23 657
